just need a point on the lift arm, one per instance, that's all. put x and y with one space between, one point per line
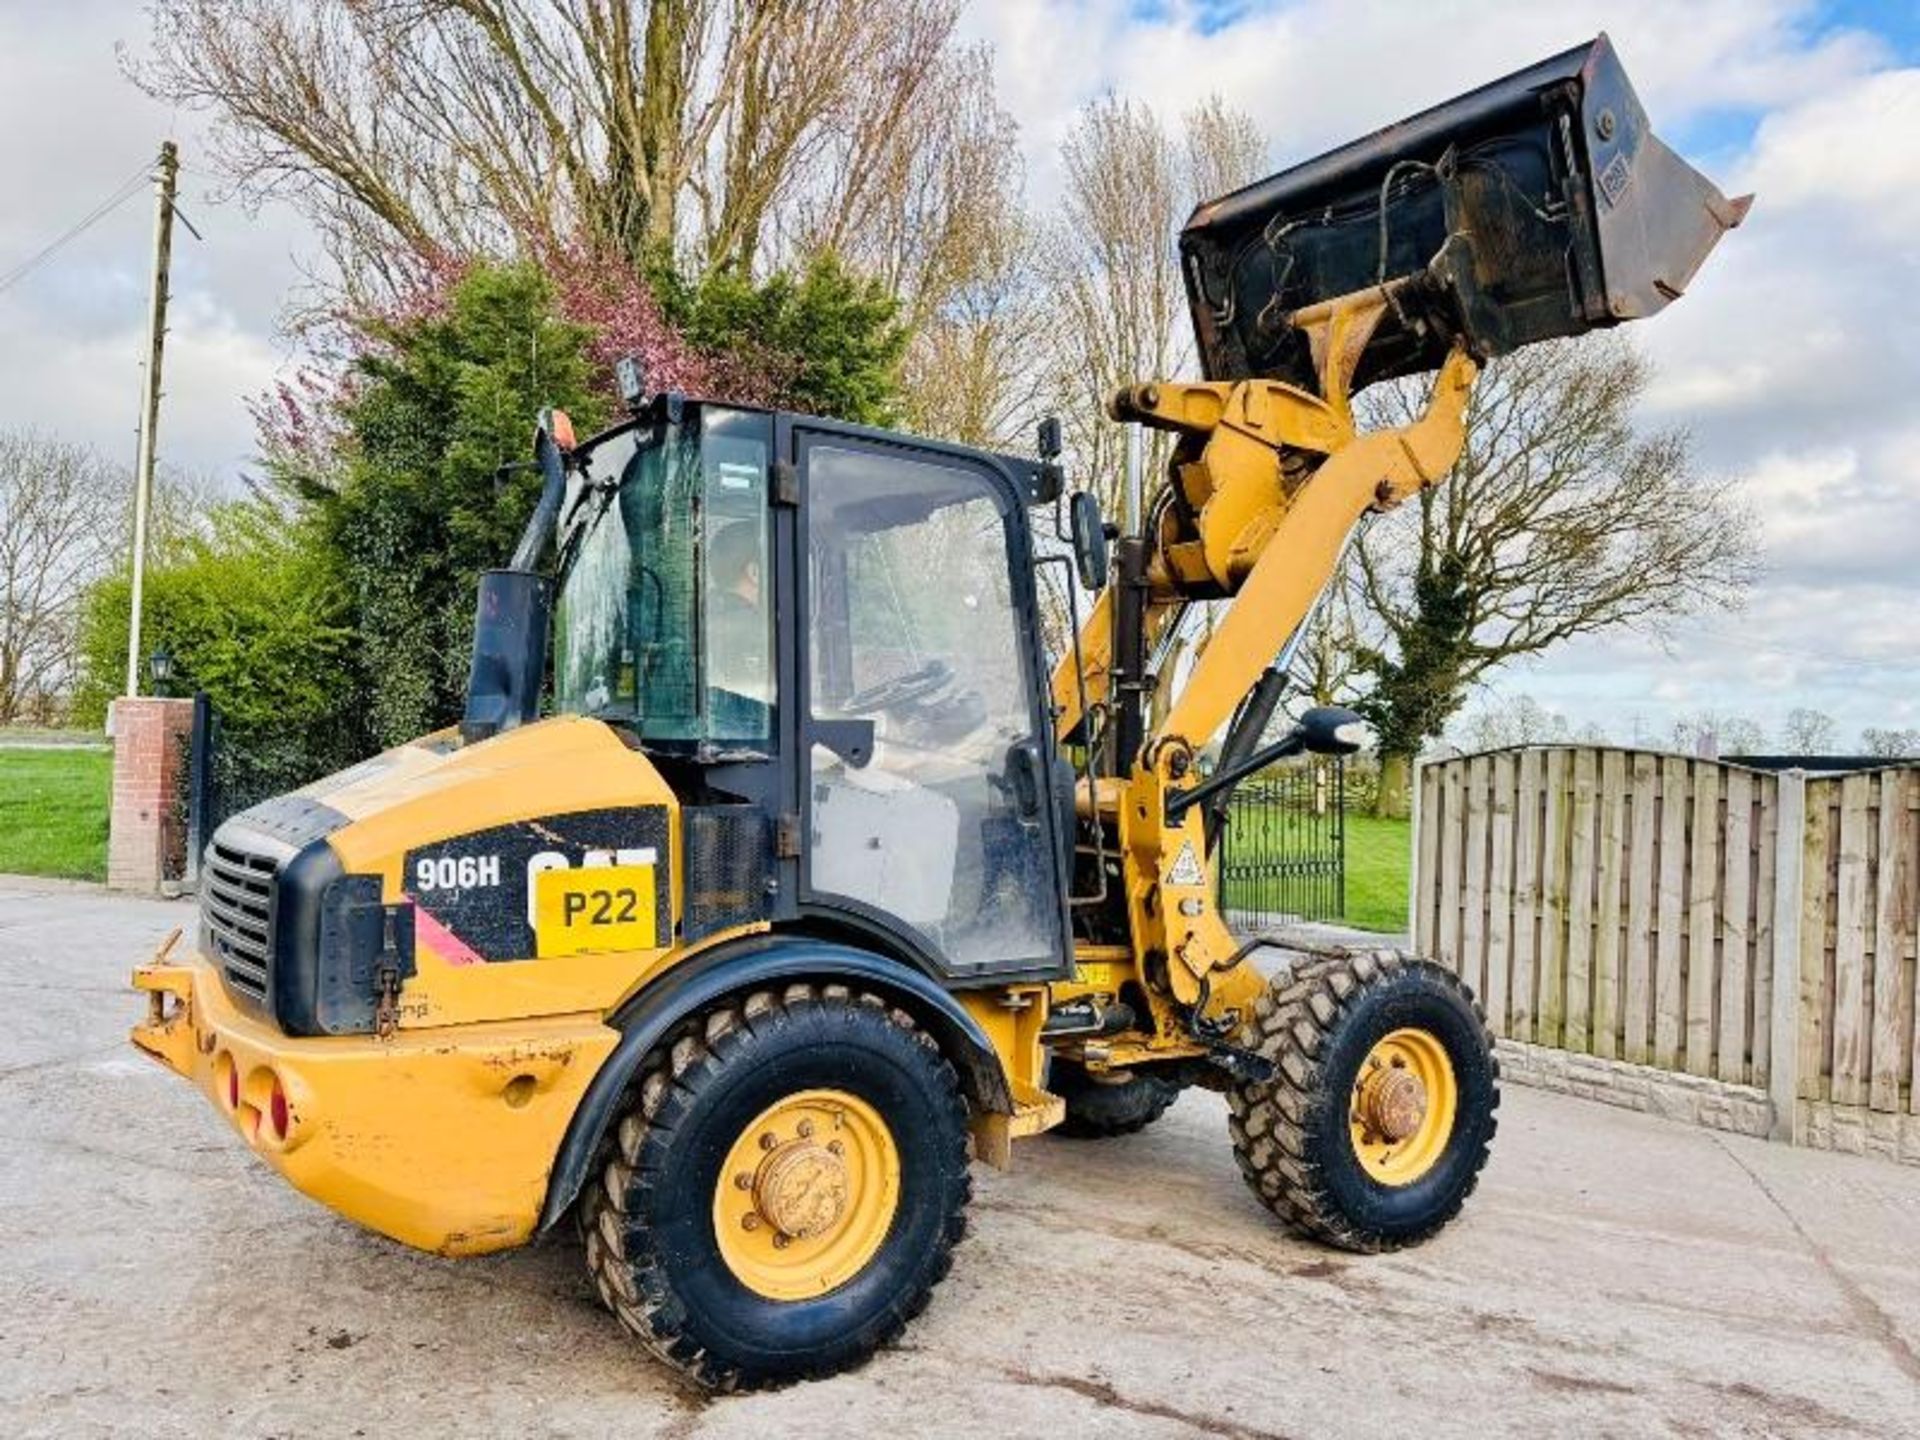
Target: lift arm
1305 539
1268 482
1537 207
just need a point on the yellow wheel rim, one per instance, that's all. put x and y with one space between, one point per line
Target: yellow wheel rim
1403 1106
807 1195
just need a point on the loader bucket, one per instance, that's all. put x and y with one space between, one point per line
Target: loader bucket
1542 205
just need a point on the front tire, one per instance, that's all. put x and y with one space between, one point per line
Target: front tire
1377 1122
784 1190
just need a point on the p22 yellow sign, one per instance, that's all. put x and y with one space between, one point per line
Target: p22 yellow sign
594 908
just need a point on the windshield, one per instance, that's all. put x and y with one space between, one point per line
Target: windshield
663 619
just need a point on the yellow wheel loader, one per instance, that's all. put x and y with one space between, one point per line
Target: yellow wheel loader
775 875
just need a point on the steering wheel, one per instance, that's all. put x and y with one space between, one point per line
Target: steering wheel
901 689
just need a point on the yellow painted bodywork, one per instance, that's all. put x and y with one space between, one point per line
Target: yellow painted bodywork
416 794
440 1138
1374 471
491 1059
1011 1018
443 1133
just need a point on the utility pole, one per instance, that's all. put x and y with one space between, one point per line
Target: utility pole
164 185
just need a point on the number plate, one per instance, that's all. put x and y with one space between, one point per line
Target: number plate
599 907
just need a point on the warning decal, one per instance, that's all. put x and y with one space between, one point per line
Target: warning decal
1186 868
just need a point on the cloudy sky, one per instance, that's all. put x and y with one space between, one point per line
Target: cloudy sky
1795 359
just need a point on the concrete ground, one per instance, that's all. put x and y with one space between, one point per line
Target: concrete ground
1615 1275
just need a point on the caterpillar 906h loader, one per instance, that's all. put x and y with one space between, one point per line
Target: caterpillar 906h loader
809 882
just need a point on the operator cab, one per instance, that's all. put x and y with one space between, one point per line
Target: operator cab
826 638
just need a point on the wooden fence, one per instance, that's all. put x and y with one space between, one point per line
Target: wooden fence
1748 926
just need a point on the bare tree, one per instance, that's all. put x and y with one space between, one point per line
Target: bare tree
1888 744
60 530
1560 519
413 126
1110 265
1323 668
1113 294
974 369
1713 733
1516 720
1809 732
743 133
1225 150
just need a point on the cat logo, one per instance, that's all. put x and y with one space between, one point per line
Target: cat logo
1186 868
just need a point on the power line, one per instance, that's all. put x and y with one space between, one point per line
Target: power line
124 192
1774 647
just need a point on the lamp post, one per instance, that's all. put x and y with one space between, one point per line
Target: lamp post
160 670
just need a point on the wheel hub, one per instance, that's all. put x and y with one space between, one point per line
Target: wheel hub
801 1189
1393 1102
1404 1102
806 1194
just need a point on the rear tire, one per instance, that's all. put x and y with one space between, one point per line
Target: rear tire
1099 1109
668 1253
1311 1141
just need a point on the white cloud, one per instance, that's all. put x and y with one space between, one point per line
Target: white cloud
73 334
1315 74
1848 157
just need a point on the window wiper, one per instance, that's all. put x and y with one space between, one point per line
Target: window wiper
576 537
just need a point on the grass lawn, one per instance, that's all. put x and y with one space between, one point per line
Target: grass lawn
53 812
1378 864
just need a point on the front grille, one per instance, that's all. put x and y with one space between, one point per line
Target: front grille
236 907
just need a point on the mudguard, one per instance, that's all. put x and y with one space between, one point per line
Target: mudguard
695 984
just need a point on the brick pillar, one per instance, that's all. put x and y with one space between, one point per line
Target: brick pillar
146 839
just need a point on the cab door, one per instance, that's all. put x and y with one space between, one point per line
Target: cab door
925 752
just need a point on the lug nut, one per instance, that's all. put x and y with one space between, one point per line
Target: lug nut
780 1240
749 1221
743 1181
805 1129
768 1141
834 1147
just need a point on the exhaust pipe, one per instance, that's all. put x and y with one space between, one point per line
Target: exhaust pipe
510 619
1537 207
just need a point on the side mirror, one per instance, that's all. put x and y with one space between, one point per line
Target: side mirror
1089 539
1331 730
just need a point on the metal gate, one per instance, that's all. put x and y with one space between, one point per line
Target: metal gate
221 777
1283 853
